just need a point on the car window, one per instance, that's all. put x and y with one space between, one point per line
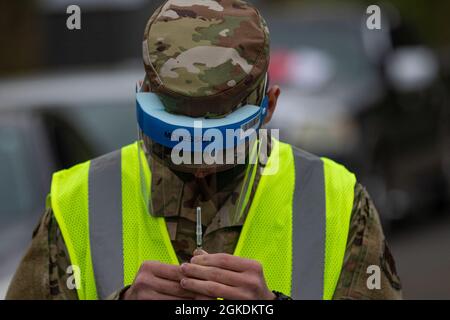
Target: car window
108 127
68 144
16 176
80 133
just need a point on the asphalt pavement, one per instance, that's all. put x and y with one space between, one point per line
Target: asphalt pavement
422 254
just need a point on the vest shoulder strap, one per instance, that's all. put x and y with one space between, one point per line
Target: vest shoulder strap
297 225
104 219
77 192
323 200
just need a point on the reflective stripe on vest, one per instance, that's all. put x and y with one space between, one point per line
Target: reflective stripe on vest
309 218
297 225
105 222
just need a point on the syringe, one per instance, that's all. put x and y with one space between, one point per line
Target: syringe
199 232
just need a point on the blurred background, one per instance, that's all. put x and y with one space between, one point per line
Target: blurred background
375 100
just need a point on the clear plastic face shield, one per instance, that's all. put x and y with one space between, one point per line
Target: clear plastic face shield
190 163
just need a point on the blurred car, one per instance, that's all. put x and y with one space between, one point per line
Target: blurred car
50 122
327 66
345 96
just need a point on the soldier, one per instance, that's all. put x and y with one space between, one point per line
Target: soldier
118 227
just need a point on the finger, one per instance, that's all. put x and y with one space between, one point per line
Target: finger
170 288
165 271
213 289
214 274
224 261
174 289
198 252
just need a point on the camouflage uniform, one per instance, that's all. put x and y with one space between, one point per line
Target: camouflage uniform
217 69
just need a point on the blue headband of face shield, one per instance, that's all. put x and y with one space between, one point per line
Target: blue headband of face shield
169 129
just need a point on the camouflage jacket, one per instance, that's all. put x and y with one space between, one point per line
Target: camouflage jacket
42 272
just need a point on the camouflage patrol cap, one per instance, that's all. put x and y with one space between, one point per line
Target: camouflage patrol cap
206 57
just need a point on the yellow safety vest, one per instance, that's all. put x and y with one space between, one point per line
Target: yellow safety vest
297 224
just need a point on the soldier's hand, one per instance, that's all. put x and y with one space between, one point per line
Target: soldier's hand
225 276
158 281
